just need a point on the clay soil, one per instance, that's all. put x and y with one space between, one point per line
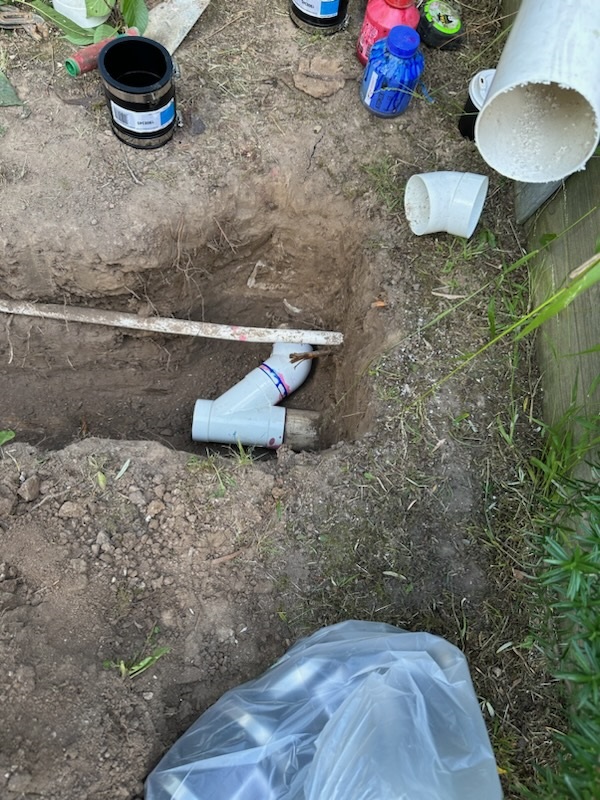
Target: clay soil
278 202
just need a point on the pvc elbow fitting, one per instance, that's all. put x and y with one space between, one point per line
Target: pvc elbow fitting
449 202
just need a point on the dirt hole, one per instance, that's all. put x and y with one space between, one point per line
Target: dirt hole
293 256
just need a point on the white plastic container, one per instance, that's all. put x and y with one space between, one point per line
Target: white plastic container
449 202
541 118
75 10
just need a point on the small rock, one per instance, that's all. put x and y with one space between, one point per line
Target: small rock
79 565
148 695
95 548
70 510
7 501
19 782
9 586
30 489
136 497
102 538
154 508
7 571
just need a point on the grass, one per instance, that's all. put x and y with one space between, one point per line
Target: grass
143 660
568 587
212 465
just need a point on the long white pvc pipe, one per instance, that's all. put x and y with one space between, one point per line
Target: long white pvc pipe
541 118
182 327
247 413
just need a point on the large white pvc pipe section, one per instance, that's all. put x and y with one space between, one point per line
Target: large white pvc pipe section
541 118
248 413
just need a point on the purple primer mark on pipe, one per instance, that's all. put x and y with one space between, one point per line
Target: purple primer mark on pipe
277 379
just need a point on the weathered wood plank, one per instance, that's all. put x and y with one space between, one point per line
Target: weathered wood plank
570 375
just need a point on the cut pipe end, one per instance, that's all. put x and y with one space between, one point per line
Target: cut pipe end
536 132
449 202
255 427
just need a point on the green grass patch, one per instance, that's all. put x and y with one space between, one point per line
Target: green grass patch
567 589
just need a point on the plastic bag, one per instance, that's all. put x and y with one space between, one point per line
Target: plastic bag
356 711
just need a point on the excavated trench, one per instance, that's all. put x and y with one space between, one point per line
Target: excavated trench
296 262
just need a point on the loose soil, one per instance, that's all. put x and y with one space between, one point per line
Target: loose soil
278 202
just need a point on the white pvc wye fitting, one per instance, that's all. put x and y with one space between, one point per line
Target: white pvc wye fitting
541 118
444 201
247 413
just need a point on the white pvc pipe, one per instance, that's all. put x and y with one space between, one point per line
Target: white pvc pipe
182 327
247 413
541 118
444 201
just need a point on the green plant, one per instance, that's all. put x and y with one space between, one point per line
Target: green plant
142 661
6 436
386 183
569 585
460 251
210 464
242 457
124 13
580 280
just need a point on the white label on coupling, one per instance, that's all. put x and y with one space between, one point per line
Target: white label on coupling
140 121
322 9
371 87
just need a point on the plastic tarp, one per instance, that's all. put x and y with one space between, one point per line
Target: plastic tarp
356 711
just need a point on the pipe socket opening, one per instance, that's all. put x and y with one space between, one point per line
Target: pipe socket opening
537 132
449 202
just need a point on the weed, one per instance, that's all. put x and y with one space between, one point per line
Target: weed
581 279
210 464
387 184
569 586
6 436
241 456
461 251
142 661
97 465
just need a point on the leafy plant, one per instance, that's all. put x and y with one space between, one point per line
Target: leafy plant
140 662
124 14
6 436
569 584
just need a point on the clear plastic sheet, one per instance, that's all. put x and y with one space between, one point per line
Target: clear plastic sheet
356 711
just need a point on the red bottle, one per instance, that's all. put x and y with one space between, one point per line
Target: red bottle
380 17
